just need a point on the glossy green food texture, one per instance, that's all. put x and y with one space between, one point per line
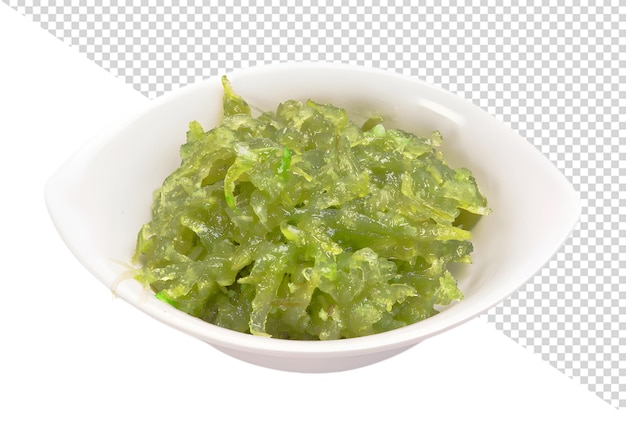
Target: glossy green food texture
300 224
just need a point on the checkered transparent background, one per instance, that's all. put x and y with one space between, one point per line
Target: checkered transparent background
555 73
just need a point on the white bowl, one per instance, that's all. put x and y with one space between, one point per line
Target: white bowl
99 199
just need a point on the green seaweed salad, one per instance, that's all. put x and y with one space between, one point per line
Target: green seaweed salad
300 224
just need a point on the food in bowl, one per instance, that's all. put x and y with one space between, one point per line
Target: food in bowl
301 224
101 196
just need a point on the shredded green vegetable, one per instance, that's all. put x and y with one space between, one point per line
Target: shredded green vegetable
300 224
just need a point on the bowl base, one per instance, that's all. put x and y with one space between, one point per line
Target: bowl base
312 364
